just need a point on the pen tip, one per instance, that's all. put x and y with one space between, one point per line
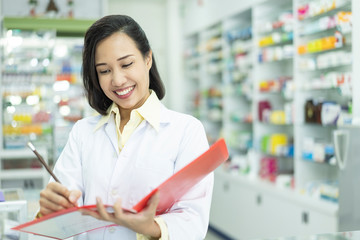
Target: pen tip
31 146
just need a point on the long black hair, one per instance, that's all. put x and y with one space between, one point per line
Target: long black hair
100 30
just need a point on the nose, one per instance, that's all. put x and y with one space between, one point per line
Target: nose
118 78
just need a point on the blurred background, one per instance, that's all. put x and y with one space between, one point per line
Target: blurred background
276 78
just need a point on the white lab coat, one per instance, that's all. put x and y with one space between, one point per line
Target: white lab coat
92 163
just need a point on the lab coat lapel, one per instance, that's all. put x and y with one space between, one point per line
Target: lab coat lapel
110 129
164 115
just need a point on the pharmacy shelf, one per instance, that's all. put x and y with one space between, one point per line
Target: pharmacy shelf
321 84
53 76
238 83
21 153
289 66
24 174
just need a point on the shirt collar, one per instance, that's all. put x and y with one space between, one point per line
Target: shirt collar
150 111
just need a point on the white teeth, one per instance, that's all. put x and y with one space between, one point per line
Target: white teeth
126 91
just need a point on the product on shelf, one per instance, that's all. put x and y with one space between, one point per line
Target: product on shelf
318 7
318 151
263 106
277 117
240 140
322 112
275 85
268 168
275 38
323 189
267 114
277 144
285 181
341 21
239 34
322 44
271 54
283 23
329 191
326 60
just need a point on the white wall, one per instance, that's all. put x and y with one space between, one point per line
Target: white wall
174 56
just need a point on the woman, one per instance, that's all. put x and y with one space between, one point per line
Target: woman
135 143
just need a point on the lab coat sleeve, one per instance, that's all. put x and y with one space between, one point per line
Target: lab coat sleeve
68 166
189 217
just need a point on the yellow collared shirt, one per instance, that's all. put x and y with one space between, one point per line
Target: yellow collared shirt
149 111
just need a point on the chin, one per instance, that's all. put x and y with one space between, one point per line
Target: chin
127 106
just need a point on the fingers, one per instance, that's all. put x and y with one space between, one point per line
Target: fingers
92 213
118 211
118 216
154 200
47 207
102 210
153 203
55 197
53 200
54 194
122 217
73 197
142 222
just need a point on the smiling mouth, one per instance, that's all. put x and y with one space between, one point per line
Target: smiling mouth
124 91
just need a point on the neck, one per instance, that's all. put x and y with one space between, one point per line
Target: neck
125 117
125 114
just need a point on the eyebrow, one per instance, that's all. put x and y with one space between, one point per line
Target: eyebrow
120 58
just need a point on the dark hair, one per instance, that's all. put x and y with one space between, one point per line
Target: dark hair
100 30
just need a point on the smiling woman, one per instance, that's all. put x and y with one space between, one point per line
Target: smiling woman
123 72
135 143
120 43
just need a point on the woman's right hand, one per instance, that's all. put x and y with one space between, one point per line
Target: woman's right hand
57 197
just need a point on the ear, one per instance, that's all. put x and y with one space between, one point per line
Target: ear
148 60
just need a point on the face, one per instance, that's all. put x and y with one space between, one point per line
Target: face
123 72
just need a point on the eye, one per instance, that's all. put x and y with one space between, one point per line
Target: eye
104 71
127 65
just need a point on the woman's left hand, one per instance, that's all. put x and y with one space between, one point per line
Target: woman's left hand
142 222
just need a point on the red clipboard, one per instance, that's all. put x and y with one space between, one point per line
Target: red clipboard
70 222
178 184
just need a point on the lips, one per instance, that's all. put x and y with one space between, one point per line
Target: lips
125 92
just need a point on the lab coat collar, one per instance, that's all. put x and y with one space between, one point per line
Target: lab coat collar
164 115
